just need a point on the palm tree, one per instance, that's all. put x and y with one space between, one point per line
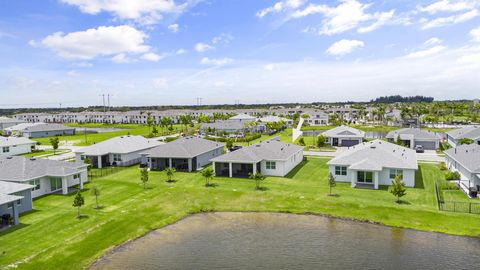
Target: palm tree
208 174
258 177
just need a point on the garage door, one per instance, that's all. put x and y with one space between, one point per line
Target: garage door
347 143
426 145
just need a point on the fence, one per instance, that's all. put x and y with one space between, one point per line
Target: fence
453 206
96 173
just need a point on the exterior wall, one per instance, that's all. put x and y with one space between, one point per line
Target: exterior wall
205 158
464 173
17 150
25 203
451 141
282 168
329 140
5 210
383 176
42 134
340 178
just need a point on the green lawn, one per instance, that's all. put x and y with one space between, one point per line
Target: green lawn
52 238
45 153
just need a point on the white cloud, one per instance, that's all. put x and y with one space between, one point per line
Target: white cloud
344 47
349 14
153 57
216 62
203 47
426 52
181 51
173 27
121 58
475 34
160 83
450 20
447 6
82 64
280 7
222 38
269 67
142 11
101 41
433 41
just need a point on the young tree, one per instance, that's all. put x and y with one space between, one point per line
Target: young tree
258 177
170 172
301 141
54 142
321 141
95 191
78 202
398 188
87 161
208 174
331 182
154 131
229 144
144 176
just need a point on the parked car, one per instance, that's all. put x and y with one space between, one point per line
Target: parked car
419 149
234 148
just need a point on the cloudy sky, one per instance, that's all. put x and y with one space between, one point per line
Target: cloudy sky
157 52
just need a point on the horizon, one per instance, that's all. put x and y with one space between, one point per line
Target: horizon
171 53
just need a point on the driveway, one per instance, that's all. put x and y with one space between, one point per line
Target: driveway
430 156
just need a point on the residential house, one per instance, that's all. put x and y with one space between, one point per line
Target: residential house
119 151
344 136
47 176
15 199
465 159
40 130
272 157
375 163
275 119
11 146
411 137
6 122
317 118
184 154
471 132
243 118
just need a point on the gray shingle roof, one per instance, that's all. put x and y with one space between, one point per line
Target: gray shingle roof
187 147
472 132
10 187
242 116
9 141
119 145
9 120
267 150
37 127
345 132
4 198
467 155
20 169
376 155
224 125
415 133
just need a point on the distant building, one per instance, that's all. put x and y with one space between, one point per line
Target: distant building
412 137
6 122
344 136
12 146
39 130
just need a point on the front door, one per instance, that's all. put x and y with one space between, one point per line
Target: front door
364 177
335 142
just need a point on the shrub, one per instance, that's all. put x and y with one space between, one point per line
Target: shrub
301 141
170 139
452 176
443 166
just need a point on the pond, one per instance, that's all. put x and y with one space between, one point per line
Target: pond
287 241
81 130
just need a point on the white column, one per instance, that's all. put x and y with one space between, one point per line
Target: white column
254 168
352 177
15 213
64 186
189 165
230 168
213 166
81 182
375 179
99 160
170 162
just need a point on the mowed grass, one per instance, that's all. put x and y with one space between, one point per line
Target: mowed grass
52 238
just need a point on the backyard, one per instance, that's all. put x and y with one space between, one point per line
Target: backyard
51 237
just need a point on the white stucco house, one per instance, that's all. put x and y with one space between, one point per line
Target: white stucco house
15 198
472 133
273 158
412 137
46 176
317 118
12 146
6 122
375 163
344 136
119 151
39 130
184 154
465 159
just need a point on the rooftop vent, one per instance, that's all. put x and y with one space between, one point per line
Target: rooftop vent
33 159
9 157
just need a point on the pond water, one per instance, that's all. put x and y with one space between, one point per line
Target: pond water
81 130
286 241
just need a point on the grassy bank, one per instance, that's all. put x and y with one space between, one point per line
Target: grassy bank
52 238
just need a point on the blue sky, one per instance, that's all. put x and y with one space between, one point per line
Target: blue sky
157 52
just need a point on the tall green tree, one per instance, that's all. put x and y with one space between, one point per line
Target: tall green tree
150 123
207 174
321 141
78 202
398 188
54 142
144 176
331 183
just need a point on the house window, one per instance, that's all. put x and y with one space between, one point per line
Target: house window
76 176
10 205
364 177
6 149
36 184
394 173
117 157
340 170
55 183
271 165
